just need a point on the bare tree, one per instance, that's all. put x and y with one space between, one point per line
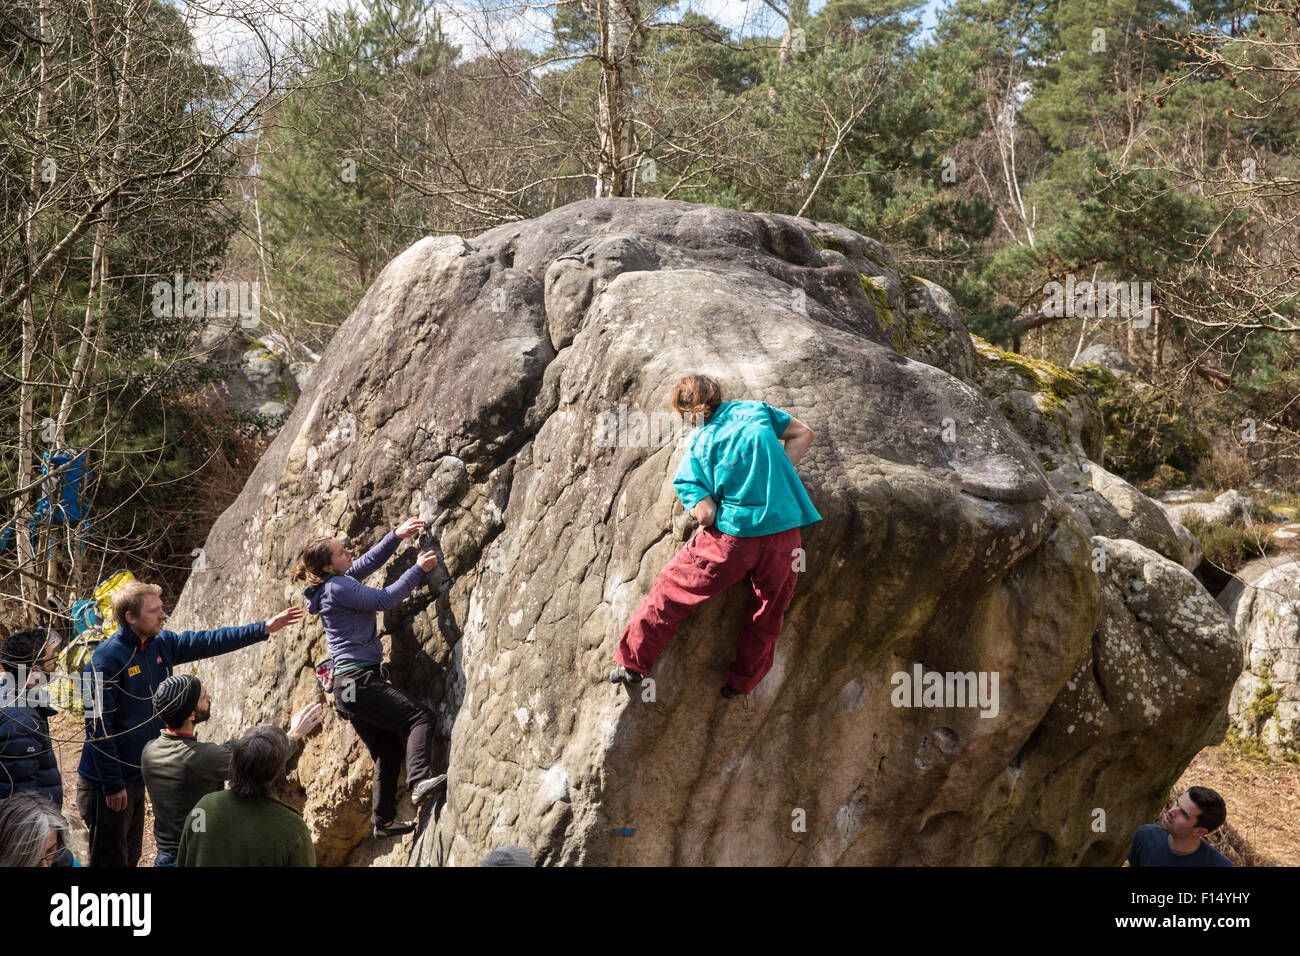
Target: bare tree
124 134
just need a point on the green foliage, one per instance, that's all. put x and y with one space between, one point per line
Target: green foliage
1229 546
885 22
1269 375
885 176
1126 224
159 223
1262 707
706 59
1251 748
1094 65
334 214
906 141
1145 429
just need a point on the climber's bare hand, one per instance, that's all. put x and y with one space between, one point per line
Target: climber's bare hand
305 721
705 511
409 527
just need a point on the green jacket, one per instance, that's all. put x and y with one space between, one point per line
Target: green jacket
225 829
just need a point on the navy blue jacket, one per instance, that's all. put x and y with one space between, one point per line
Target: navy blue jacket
116 736
27 760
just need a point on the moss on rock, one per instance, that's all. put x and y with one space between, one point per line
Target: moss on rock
879 300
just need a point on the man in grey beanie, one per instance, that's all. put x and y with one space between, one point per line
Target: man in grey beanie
179 769
508 856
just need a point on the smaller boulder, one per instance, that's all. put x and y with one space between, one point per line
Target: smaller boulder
1230 507
1108 357
1264 605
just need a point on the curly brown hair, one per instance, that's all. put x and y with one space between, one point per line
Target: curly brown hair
697 395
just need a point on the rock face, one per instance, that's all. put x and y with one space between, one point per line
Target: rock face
1264 604
497 387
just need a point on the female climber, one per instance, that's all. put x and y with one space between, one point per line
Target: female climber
738 481
384 717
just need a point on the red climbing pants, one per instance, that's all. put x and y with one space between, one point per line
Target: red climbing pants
711 562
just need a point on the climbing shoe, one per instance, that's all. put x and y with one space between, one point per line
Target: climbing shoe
393 828
621 675
426 789
729 692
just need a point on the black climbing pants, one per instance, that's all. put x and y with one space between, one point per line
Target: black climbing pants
389 722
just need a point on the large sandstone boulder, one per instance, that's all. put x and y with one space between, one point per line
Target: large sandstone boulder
475 385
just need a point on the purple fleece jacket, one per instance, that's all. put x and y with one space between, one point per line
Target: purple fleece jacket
347 607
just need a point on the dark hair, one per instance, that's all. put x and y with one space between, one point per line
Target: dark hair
314 566
257 762
26 821
1213 810
696 395
23 649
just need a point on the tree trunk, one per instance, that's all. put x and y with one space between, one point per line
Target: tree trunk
92 325
1155 346
29 591
622 36
793 21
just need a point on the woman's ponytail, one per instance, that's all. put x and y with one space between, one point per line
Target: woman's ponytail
314 565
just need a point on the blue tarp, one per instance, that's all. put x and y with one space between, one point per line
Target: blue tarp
62 501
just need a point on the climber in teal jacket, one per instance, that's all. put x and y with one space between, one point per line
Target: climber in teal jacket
120 681
738 480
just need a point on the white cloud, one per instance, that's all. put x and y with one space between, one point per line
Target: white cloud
234 32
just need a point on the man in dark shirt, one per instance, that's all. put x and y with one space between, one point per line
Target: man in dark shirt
179 769
246 825
1177 840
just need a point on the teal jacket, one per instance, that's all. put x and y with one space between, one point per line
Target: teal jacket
737 458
